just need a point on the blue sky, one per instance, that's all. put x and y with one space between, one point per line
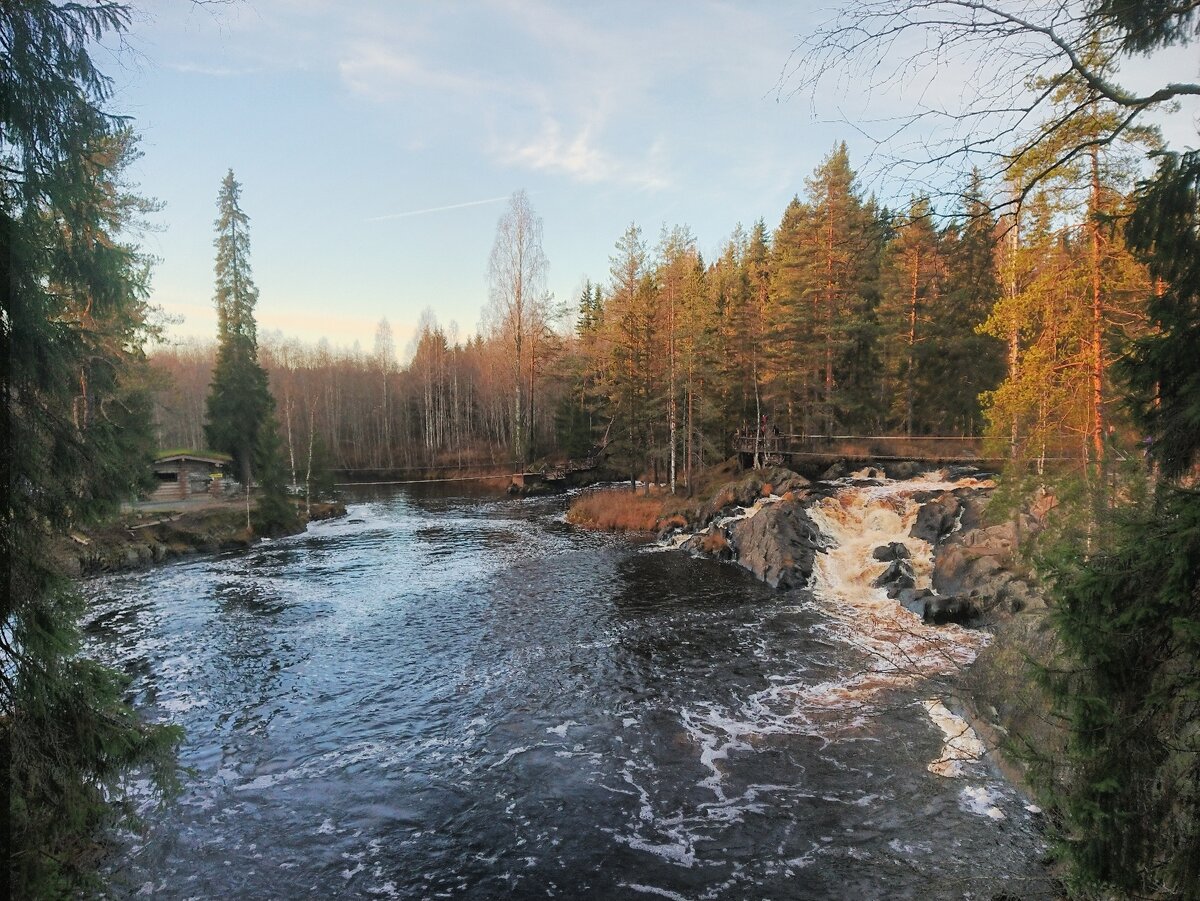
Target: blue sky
376 142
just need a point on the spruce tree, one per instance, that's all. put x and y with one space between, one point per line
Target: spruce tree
73 428
239 400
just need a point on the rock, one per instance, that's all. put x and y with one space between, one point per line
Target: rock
777 544
902 469
942 610
898 576
936 519
748 489
959 569
836 471
913 599
896 550
670 525
1018 597
715 544
954 473
1041 505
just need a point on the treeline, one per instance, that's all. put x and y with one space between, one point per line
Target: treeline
847 317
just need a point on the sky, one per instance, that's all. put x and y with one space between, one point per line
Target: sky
378 142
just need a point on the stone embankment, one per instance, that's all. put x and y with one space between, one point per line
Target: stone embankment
135 541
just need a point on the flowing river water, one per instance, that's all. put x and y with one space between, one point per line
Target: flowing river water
464 697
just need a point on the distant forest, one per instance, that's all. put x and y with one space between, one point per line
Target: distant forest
988 317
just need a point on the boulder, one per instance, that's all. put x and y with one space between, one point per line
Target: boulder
777 544
896 550
936 519
902 469
836 471
942 610
753 485
913 599
898 576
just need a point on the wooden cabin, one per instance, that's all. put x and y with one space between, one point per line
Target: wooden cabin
184 474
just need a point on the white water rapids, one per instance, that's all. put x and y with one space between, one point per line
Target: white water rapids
900 649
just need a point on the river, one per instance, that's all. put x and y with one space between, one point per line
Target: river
465 697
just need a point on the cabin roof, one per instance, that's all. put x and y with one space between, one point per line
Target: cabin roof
213 458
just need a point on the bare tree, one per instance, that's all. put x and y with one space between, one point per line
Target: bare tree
517 283
1007 61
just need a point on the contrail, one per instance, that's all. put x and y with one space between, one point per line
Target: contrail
436 209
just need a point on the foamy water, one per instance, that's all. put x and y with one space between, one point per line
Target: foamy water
899 649
902 649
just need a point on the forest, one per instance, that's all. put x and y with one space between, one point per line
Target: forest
845 318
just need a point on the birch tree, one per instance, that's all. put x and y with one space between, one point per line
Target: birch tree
517 300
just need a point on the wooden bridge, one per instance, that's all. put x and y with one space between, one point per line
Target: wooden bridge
771 448
553 476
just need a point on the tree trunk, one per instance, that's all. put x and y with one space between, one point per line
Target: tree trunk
1097 348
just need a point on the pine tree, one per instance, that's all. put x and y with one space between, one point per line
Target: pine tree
1163 367
628 380
823 256
963 363
914 273
274 514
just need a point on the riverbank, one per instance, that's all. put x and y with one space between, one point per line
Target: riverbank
143 537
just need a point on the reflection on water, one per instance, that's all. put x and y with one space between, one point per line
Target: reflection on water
463 697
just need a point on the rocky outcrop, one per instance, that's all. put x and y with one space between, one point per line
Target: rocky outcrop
748 490
777 544
979 564
760 523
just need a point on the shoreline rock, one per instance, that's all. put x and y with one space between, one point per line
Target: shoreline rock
123 545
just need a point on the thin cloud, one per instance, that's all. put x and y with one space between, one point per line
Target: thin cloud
214 71
435 209
579 158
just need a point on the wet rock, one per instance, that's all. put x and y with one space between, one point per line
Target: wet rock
913 599
671 525
897 577
936 518
752 486
836 471
896 550
871 474
777 544
972 503
942 610
902 469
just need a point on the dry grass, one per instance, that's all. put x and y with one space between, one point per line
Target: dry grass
620 510
617 510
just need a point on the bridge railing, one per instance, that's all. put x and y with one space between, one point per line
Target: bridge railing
883 447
